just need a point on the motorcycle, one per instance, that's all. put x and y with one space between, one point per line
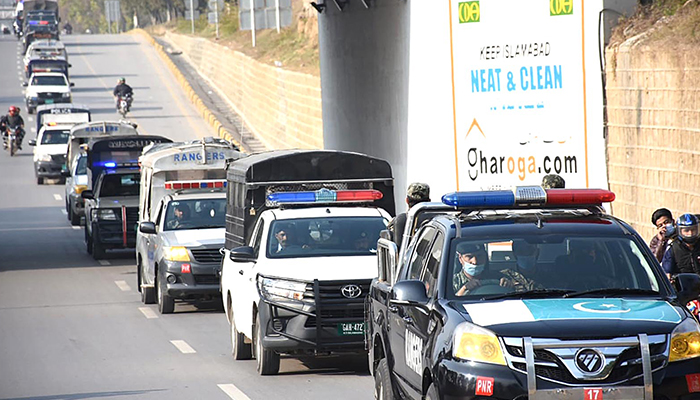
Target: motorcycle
12 138
124 104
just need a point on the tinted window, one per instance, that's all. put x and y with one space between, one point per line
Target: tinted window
120 185
55 137
421 253
332 236
195 214
430 272
81 169
49 81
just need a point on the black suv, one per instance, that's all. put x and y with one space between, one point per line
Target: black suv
528 294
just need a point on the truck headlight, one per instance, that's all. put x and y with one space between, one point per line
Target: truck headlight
281 289
685 341
474 343
106 215
176 253
65 95
45 157
80 188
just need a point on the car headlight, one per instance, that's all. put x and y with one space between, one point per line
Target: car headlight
281 289
80 188
474 343
45 157
65 95
685 341
106 215
176 253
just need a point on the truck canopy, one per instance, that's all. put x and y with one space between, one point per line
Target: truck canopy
82 133
62 114
253 178
31 5
116 152
193 161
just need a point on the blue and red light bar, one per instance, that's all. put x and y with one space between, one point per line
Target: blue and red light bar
204 184
528 195
114 164
325 196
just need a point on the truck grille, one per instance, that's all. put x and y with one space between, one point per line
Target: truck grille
58 158
206 255
49 95
333 306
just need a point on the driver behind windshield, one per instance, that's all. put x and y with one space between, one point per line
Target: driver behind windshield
474 272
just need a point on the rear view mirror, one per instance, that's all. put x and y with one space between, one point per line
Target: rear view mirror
72 84
147 227
87 194
32 142
242 254
25 84
409 293
65 173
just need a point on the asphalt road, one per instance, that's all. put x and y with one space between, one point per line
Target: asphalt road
72 328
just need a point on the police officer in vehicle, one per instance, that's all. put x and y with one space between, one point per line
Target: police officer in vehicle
122 90
417 193
683 255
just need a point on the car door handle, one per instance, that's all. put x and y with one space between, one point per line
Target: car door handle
241 272
393 309
408 320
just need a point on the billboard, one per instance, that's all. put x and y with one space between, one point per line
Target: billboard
503 92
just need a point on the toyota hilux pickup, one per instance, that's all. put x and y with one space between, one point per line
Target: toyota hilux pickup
46 88
528 294
301 233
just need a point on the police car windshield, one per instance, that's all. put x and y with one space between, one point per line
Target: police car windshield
114 185
55 137
324 237
53 80
549 267
195 214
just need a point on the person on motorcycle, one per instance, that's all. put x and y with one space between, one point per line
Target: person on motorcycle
11 121
122 90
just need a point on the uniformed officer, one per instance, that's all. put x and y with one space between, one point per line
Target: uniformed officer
553 181
417 193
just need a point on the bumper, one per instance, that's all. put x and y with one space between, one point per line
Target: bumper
34 101
458 380
201 283
47 169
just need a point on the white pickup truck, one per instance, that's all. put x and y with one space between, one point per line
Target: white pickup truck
46 88
301 234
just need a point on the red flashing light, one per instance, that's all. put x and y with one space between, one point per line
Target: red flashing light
43 22
358 195
578 196
186 269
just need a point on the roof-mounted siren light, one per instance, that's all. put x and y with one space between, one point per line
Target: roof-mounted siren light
203 184
528 196
325 196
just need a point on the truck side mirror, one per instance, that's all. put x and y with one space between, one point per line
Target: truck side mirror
25 84
409 293
147 227
72 84
242 254
387 259
32 142
87 194
689 287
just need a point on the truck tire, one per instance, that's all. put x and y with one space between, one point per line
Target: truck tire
268 362
432 393
68 210
148 294
39 180
74 218
240 350
166 304
88 241
382 382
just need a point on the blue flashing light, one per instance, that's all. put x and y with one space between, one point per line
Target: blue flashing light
110 164
292 197
496 198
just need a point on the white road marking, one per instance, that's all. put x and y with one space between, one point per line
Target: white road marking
77 228
64 212
233 392
123 286
183 346
30 119
148 313
57 196
104 262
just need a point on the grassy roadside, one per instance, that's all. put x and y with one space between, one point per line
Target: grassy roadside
674 23
294 48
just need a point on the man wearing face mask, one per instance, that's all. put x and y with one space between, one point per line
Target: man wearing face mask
526 262
473 273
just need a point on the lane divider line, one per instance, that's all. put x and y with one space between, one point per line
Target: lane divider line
77 228
148 313
233 392
123 286
104 262
183 346
57 197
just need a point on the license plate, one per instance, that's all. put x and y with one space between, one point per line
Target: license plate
351 328
48 101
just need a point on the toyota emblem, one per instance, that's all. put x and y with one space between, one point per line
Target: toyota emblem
351 291
590 361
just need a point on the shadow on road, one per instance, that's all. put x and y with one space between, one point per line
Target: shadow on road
92 395
332 365
100 76
100 44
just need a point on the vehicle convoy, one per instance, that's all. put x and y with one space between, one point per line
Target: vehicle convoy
182 215
299 252
47 88
63 113
75 174
45 48
528 294
111 201
47 64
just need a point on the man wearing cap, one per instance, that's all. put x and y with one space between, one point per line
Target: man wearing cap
417 193
553 181
473 260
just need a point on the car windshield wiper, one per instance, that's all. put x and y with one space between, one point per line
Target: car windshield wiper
614 291
530 293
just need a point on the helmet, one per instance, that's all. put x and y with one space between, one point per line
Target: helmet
14 110
687 226
122 80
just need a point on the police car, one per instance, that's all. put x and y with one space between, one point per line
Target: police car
529 294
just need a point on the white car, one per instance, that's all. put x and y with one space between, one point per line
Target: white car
50 48
299 286
50 149
76 183
46 88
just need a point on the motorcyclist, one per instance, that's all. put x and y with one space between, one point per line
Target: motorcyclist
683 255
11 121
68 27
122 90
